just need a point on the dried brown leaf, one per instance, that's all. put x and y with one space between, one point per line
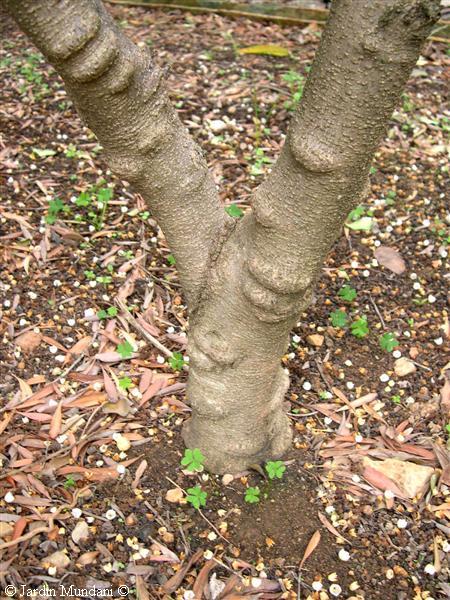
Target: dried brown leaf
391 259
312 545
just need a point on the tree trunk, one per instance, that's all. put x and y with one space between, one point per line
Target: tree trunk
247 281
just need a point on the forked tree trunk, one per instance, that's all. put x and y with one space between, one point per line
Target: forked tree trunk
246 282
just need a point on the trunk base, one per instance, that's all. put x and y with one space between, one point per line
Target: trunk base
279 439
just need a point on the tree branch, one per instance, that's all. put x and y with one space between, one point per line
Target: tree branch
120 94
365 57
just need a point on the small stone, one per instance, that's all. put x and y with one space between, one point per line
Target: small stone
344 555
59 559
217 125
81 532
174 495
227 479
5 529
410 478
122 443
335 590
315 339
403 366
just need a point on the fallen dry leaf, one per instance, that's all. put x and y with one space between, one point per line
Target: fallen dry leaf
28 341
391 259
312 545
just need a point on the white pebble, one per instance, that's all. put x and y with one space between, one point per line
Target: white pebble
307 385
402 523
344 555
9 497
110 514
430 569
431 299
335 589
396 354
76 513
160 359
384 378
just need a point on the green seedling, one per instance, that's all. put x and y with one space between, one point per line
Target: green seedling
110 312
234 211
125 383
388 342
339 319
275 469
347 293
125 349
196 497
55 207
252 495
176 361
193 460
69 482
396 399
296 83
360 328
171 260
257 168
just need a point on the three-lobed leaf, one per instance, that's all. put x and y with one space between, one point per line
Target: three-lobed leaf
196 496
275 469
252 495
193 459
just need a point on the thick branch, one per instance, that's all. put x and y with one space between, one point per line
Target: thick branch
121 95
366 55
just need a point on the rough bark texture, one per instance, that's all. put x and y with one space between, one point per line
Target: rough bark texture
247 282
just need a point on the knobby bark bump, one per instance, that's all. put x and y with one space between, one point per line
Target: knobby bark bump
246 282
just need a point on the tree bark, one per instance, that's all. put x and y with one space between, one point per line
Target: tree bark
246 282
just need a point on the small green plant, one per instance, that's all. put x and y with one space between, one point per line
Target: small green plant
396 399
259 160
339 319
360 327
83 199
171 260
390 198
73 152
176 361
125 349
125 383
388 342
193 459
275 469
234 211
55 207
69 483
252 495
196 496
447 428
296 83
347 293
110 312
